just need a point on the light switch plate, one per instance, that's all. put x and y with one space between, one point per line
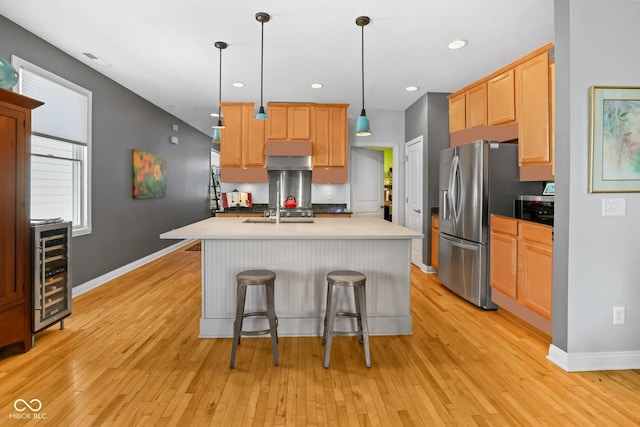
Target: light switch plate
614 207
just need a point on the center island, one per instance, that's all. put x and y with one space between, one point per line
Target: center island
301 254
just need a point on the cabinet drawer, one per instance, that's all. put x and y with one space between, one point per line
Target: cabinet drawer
502 224
536 233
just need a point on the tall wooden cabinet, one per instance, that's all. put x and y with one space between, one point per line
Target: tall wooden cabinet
15 231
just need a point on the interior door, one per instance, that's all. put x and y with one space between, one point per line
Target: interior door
367 183
413 205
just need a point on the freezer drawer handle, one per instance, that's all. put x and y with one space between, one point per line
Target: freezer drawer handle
464 246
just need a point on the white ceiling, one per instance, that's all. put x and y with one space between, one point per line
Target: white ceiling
163 50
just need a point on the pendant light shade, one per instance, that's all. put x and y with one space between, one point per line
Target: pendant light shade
219 125
362 125
216 134
262 17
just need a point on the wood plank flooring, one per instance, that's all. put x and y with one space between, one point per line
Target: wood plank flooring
130 355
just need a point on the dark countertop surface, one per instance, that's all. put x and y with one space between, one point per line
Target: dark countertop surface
318 208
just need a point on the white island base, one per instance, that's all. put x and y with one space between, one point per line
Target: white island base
301 255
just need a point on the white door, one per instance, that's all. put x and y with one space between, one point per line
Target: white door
367 183
413 215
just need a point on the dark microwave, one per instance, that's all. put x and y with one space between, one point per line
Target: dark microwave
534 208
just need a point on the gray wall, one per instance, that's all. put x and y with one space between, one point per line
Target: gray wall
124 229
429 117
595 258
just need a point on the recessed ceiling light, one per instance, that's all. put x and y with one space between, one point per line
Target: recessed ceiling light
411 88
237 84
214 115
457 44
316 85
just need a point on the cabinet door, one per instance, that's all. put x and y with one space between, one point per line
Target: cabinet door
231 135
535 272
277 122
434 242
532 95
338 136
476 106
321 135
504 255
299 122
11 196
457 113
253 137
501 104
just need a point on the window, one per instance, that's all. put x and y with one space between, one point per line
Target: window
60 147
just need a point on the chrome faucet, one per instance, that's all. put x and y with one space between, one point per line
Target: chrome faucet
278 202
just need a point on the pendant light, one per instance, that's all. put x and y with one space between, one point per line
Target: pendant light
219 125
262 17
362 126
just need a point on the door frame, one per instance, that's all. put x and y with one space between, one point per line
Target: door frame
397 187
416 140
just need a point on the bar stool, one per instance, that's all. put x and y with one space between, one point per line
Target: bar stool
264 278
357 281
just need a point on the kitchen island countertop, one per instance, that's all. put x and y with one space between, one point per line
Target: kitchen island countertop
321 228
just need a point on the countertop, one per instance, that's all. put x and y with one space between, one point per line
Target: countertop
318 208
321 229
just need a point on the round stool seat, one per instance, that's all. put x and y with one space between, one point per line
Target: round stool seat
346 276
256 276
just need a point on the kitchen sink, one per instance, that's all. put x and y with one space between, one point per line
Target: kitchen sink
284 220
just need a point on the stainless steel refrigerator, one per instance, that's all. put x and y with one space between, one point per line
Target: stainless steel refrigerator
476 180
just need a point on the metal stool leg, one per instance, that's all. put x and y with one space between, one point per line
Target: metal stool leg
271 313
331 319
358 314
364 324
237 325
326 313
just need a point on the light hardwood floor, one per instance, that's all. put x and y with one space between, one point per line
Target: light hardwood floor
130 355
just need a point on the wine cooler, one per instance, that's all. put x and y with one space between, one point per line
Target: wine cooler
51 274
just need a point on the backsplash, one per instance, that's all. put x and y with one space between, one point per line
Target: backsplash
320 193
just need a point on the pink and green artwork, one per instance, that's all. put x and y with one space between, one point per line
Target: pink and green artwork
149 175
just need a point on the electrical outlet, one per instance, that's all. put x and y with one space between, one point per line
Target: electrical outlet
614 207
329 196
618 315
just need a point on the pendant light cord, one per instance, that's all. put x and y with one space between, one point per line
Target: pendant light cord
220 89
362 67
261 62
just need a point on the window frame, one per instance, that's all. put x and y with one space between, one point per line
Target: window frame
82 205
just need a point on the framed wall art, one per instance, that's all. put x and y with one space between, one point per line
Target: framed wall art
614 152
149 175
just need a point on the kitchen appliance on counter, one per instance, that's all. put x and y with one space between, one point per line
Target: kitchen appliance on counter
534 208
476 180
289 176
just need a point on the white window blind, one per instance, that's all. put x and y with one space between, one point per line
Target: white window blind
60 146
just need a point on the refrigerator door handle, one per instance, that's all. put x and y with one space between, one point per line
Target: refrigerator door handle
454 188
446 213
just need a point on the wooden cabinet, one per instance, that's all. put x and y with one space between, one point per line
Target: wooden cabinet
521 264
329 124
533 106
535 272
435 230
501 102
242 156
15 229
476 106
504 255
457 113
288 122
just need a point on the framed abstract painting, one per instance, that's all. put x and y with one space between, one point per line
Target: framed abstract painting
149 175
614 151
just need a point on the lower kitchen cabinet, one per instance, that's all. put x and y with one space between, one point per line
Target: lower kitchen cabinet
435 230
521 269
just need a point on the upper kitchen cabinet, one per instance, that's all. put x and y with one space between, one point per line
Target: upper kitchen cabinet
330 142
329 124
457 112
501 101
288 121
242 144
476 106
534 106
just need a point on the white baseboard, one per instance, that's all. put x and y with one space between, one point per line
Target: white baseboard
602 361
101 280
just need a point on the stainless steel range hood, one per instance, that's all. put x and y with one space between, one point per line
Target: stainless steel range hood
288 163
